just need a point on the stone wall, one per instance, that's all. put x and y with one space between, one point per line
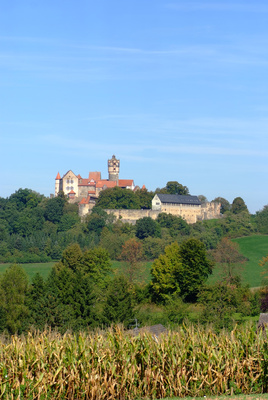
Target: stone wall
189 213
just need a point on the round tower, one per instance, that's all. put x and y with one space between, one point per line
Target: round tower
113 169
57 184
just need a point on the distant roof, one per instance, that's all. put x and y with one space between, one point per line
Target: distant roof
263 320
96 176
179 199
106 183
85 200
154 330
125 182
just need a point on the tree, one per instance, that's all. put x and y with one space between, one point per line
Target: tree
238 206
219 301
202 198
23 198
35 301
118 304
174 187
262 220
181 270
72 257
146 227
54 208
14 284
132 254
229 258
144 197
175 224
117 198
96 263
196 268
164 271
225 205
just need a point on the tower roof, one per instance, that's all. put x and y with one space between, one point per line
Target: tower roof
58 176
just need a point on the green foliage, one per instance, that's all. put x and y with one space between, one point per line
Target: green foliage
117 198
118 303
238 206
54 208
153 247
225 205
196 268
97 264
223 299
229 259
262 220
181 270
175 224
14 284
72 257
146 227
164 272
174 187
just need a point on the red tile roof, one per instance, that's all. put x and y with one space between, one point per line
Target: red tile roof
84 182
108 184
125 182
96 176
58 176
72 192
85 200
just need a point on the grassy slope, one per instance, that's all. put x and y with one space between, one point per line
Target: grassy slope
253 248
45 268
31 269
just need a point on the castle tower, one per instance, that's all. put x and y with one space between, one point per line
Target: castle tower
57 184
113 169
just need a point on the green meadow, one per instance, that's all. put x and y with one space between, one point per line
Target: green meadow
254 248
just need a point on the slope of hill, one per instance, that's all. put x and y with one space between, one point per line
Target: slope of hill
254 248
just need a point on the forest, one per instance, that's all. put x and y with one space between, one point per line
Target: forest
84 290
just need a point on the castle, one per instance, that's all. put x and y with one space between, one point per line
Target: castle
86 191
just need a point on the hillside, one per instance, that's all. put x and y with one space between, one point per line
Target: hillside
253 248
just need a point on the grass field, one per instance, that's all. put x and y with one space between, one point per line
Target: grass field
31 269
253 248
45 268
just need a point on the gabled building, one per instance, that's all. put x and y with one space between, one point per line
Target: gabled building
188 207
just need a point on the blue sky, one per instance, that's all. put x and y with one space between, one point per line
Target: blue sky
177 90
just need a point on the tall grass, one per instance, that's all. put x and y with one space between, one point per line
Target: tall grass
114 365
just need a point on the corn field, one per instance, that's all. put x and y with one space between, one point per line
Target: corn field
192 361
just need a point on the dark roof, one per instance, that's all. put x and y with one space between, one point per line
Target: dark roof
154 330
179 199
263 321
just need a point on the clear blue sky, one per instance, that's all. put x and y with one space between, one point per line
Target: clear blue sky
176 89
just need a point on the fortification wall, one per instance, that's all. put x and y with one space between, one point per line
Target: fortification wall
132 216
190 214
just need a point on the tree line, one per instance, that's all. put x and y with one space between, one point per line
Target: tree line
34 228
82 291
